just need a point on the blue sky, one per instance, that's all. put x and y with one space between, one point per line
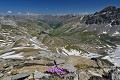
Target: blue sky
55 6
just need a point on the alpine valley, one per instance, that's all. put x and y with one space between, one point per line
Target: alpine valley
31 43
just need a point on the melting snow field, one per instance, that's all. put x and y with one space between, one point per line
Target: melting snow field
78 53
16 56
114 57
11 55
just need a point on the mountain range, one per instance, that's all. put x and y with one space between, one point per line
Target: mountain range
93 33
27 40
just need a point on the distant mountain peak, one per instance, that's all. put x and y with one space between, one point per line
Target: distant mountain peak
110 9
107 15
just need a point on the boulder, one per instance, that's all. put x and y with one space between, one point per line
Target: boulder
19 76
38 75
96 78
70 67
1 75
60 61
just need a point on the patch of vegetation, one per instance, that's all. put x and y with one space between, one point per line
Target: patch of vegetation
107 39
47 59
74 47
7 27
40 23
57 32
58 26
2 37
82 66
108 42
57 78
86 37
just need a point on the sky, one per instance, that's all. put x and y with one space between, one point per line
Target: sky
55 6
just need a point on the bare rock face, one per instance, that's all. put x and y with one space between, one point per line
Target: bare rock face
19 76
107 15
96 78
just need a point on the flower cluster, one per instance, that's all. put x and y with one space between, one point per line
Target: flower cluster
58 71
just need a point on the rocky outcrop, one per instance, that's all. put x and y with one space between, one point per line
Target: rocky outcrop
109 14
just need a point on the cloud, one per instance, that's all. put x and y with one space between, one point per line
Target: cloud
9 12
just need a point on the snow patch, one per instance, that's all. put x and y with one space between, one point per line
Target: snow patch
116 33
85 30
34 40
90 55
16 56
78 53
93 73
16 48
104 32
109 24
11 55
81 18
114 57
71 52
37 44
7 54
2 40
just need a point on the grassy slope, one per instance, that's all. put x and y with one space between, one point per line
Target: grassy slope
78 37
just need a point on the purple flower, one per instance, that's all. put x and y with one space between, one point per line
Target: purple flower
61 72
